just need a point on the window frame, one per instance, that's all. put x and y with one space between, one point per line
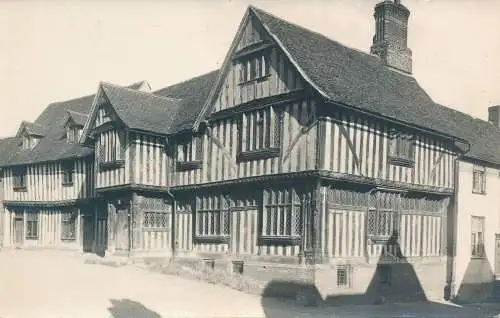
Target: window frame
189 153
113 158
481 186
477 248
20 176
68 171
400 139
217 207
375 211
68 220
254 67
153 220
273 207
32 217
260 133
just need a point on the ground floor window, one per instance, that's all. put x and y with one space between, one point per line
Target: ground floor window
282 213
157 220
383 216
32 225
477 240
212 216
68 225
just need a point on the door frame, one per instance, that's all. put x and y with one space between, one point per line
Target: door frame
18 216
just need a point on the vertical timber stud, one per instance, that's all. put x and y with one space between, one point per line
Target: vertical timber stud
135 223
173 235
317 222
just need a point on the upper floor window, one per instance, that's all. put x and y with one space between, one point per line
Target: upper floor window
32 225
479 180
259 134
73 133
477 239
19 174
189 153
67 168
401 150
254 67
110 150
29 142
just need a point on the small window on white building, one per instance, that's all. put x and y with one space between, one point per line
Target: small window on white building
479 180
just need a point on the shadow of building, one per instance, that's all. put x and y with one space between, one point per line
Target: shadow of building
126 308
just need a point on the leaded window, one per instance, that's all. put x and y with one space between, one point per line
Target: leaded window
157 220
68 225
383 216
110 148
212 216
32 225
282 213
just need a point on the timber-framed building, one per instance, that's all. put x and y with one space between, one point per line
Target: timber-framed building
299 152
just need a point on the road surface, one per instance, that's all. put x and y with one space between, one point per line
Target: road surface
59 284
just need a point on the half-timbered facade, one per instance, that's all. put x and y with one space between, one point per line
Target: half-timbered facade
299 160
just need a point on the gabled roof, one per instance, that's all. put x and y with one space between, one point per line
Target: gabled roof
31 129
53 146
77 117
348 76
142 110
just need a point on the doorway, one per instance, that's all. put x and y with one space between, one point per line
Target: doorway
18 229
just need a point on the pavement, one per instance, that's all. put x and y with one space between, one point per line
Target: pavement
60 284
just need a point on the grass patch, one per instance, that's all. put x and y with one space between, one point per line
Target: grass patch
197 270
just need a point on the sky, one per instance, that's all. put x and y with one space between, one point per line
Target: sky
58 50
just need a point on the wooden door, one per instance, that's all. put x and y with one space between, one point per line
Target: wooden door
87 231
243 231
122 229
497 255
18 230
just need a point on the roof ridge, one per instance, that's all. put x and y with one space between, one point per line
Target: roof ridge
131 90
260 11
185 81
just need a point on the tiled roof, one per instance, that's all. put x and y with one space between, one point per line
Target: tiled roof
142 110
33 129
193 94
53 146
354 78
77 117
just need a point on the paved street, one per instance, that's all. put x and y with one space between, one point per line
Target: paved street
58 284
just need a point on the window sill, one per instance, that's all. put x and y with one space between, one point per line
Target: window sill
189 165
219 239
405 162
67 184
32 237
478 257
381 239
479 192
256 79
258 154
112 164
68 239
279 240
19 189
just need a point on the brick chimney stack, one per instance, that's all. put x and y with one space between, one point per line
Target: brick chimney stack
391 35
494 115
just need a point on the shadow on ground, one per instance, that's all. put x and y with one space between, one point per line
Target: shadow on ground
393 291
126 308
